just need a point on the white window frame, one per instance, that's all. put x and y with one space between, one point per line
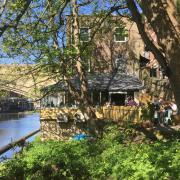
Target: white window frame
116 61
120 67
89 33
125 39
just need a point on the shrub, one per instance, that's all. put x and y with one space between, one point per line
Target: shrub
106 158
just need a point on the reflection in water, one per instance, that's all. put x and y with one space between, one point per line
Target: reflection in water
14 126
9 116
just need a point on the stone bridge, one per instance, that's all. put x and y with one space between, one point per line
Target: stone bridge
26 80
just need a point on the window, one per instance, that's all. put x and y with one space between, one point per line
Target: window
118 99
120 64
117 62
153 72
84 34
120 35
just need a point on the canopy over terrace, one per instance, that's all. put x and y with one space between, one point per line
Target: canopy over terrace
109 87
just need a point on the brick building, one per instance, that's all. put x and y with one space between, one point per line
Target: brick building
116 43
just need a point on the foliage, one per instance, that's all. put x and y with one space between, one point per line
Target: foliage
147 112
4 93
105 158
43 36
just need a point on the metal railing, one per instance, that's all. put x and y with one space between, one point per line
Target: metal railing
17 142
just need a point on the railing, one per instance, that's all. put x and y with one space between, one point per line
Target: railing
18 142
122 113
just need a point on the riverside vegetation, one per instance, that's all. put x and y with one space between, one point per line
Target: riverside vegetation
121 153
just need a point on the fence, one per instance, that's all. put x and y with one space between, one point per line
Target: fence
21 141
122 113
116 113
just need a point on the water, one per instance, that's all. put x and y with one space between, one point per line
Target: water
14 126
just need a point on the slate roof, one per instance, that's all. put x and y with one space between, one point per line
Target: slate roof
102 82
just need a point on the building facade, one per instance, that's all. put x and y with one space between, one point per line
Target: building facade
14 102
109 43
117 65
115 45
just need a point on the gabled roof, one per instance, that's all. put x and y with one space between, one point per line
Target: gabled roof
102 82
124 82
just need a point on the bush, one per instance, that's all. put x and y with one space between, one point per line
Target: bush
147 112
105 158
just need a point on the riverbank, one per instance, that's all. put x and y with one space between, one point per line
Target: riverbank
121 153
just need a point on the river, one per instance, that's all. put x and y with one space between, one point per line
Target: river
14 126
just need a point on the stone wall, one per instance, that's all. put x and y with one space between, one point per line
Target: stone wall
52 129
156 86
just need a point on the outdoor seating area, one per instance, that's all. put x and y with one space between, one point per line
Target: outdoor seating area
163 111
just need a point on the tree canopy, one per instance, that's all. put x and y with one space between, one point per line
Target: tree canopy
36 31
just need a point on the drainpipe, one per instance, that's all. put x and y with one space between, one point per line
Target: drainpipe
92 97
109 97
64 98
100 97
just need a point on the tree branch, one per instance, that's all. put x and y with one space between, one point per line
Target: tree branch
3 7
17 19
147 40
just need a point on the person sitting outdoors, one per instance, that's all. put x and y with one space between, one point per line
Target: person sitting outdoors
167 114
131 102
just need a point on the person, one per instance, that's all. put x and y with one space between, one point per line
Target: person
167 115
161 101
162 104
113 103
156 108
131 102
126 100
108 103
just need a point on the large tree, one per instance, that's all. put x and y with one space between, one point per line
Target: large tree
163 18
37 31
11 13
41 37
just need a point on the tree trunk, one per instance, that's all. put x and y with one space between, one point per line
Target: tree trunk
161 17
175 80
79 66
85 101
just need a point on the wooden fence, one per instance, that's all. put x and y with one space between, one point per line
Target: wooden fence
122 113
116 113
